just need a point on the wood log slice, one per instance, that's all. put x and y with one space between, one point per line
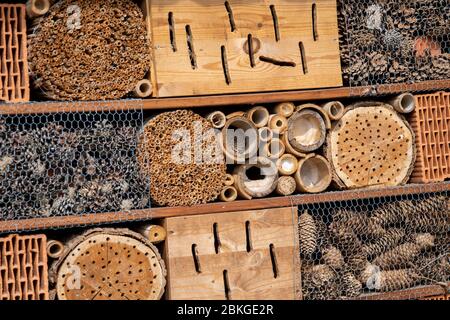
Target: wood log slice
371 145
109 264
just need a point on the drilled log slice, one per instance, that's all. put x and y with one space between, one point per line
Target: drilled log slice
110 264
371 146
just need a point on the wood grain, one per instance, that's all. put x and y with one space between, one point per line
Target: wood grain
248 264
176 73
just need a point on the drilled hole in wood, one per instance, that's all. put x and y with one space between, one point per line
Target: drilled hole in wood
276 26
216 237
172 32
196 259
226 71
303 57
226 285
273 258
230 16
314 22
250 50
277 62
190 43
248 236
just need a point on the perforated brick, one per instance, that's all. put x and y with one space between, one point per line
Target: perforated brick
431 124
14 82
23 268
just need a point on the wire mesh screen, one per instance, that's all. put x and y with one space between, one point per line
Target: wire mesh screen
394 41
70 163
354 248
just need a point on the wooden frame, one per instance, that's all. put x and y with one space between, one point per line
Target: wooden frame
216 207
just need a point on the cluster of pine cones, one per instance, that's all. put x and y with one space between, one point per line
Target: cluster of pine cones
69 166
391 41
392 246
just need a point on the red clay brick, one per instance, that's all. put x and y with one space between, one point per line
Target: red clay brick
14 81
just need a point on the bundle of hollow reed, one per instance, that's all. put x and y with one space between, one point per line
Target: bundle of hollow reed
385 247
390 41
56 169
89 50
181 155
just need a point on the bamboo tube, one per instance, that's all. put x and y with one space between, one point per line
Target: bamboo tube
289 148
240 139
306 131
228 194
287 165
403 103
238 184
259 116
334 109
229 180
285 109
154 233
286 186
314 107
36 8
313 174
260 184
55 249
235 114
217 119
265 134
274 148
278 123
143 89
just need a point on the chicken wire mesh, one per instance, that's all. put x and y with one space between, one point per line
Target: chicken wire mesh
70 163
353 248
394 42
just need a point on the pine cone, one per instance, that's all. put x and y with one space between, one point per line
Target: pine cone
357 262
359 223
430 215
397 279
435 268
345 239
403 254
350 286
392 238
307 230
332 256
319 283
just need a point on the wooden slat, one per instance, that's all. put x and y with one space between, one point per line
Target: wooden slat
266 203
216 100
411 293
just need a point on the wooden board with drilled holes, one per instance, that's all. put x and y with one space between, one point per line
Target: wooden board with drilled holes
236 255
205 46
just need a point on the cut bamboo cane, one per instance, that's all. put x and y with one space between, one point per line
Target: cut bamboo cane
217 119
334 109
259 116
154 233
257 180
265 134
285 109
55 249
240 139
403 103
235 114
36 8
143 89
286 186
229 180
306 131
314 107
228 194
287 165
238 184
278 124
274 149
290 149
313 174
